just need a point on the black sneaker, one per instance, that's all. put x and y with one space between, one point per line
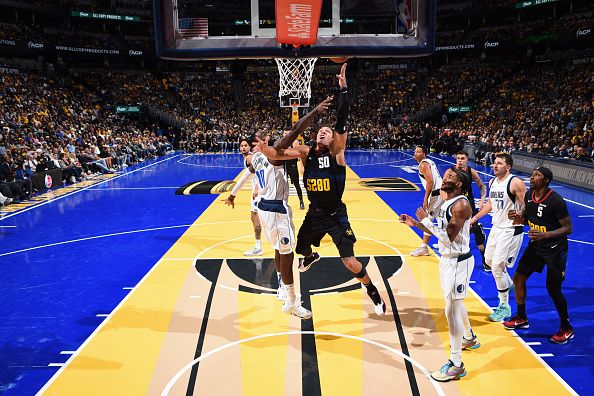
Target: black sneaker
306 262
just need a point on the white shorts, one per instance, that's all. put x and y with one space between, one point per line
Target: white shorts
433 206
454 275
254 204
503 244
276 218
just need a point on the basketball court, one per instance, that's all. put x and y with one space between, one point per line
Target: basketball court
122 287
137 290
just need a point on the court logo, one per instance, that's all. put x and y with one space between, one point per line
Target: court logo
388 184
48 181
460 289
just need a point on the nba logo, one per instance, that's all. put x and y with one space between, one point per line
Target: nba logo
48 181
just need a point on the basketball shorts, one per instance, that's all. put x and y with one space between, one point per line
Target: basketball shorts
454 275
318 223
276 219
534 260
503 245
254 204
433 205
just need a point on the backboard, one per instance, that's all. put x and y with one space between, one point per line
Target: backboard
246 29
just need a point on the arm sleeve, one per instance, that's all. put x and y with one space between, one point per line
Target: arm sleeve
247 176
343 111
440 234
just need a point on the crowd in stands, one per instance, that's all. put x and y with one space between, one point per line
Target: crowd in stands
69 122
49 123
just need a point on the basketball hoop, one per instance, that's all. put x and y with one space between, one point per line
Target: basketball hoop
295 79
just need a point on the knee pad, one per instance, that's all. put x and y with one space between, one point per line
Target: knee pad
361 274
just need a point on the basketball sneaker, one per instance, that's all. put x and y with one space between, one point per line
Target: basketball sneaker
449 372
420 251
516 322
471 343
379 306
380 309
501 312
562 336
296 310
253 252
306 262
281 292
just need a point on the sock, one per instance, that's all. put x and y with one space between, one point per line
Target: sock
258 244
565 324
455 329
503 296
373 293
290 293
423 244
522 311
469 334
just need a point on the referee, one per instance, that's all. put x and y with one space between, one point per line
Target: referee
547 216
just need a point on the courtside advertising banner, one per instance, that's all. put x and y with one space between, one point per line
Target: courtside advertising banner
297 21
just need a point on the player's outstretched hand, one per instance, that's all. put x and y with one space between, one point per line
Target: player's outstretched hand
406 219
342 76
230 200
323 106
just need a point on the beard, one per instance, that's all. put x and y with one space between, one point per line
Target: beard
448 187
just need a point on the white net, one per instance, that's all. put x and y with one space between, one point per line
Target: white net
295 77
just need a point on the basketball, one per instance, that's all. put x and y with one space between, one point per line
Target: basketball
339 59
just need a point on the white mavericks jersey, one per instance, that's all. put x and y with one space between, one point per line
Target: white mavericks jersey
502 201
271 179
461 244
434 172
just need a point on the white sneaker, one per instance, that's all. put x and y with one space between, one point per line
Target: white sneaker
296 310
281 293
420 251
380 309
253 252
